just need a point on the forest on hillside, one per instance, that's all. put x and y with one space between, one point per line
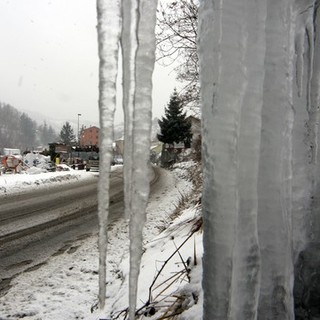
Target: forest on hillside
18 130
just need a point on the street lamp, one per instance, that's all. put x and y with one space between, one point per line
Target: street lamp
79 114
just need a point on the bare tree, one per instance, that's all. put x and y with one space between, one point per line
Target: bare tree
177 43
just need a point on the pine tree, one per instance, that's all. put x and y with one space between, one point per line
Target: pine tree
46 133
28 129
175 128
66 134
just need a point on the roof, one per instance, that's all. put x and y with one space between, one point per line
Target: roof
93 127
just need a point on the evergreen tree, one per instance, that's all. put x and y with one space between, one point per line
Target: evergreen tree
43 133
46 133
9 126
66 134
28 129
175 128
52 135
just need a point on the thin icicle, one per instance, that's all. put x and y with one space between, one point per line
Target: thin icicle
108 39
145 59
129 48
138 64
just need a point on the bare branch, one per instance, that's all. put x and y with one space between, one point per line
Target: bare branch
177 42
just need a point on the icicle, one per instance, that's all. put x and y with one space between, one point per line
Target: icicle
138 64
108 39
251 146
312 109
145 59
306 218
313 24
245 284
209 54
301 133
231 221
232 84
274 186
129 48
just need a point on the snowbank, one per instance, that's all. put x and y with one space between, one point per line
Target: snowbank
38 178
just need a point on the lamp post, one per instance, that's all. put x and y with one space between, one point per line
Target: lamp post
79 114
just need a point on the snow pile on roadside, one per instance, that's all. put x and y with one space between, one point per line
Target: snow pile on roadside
66 287
36 160
165 214
170 274
18 183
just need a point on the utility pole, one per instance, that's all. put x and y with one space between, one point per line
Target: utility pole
79 114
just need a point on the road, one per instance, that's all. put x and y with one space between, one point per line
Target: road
43 223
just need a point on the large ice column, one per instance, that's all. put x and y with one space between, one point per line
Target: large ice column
232 76
306 217
220 133
301 186
259 72
275 167
313 45
245 284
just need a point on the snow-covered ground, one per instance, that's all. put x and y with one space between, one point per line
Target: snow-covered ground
11 183
66 287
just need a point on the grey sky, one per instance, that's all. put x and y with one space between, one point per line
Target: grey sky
49 60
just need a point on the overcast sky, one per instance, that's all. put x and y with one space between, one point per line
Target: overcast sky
49 60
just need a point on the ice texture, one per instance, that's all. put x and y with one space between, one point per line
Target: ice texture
259 73
131 24
129 44
109 30
141 132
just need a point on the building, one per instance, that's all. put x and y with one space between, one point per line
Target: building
90 136
195 129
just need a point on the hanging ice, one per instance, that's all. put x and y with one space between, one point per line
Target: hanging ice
129 48
108 40
260 95
138 49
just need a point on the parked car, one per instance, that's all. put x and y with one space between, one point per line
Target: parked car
93 163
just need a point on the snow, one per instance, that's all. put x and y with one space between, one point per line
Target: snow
36 178
66 286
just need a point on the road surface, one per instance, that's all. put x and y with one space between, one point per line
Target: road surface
42 223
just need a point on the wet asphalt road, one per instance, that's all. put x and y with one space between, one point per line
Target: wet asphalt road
40 223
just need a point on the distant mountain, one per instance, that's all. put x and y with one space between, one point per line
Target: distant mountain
58 122
119 130
20 131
